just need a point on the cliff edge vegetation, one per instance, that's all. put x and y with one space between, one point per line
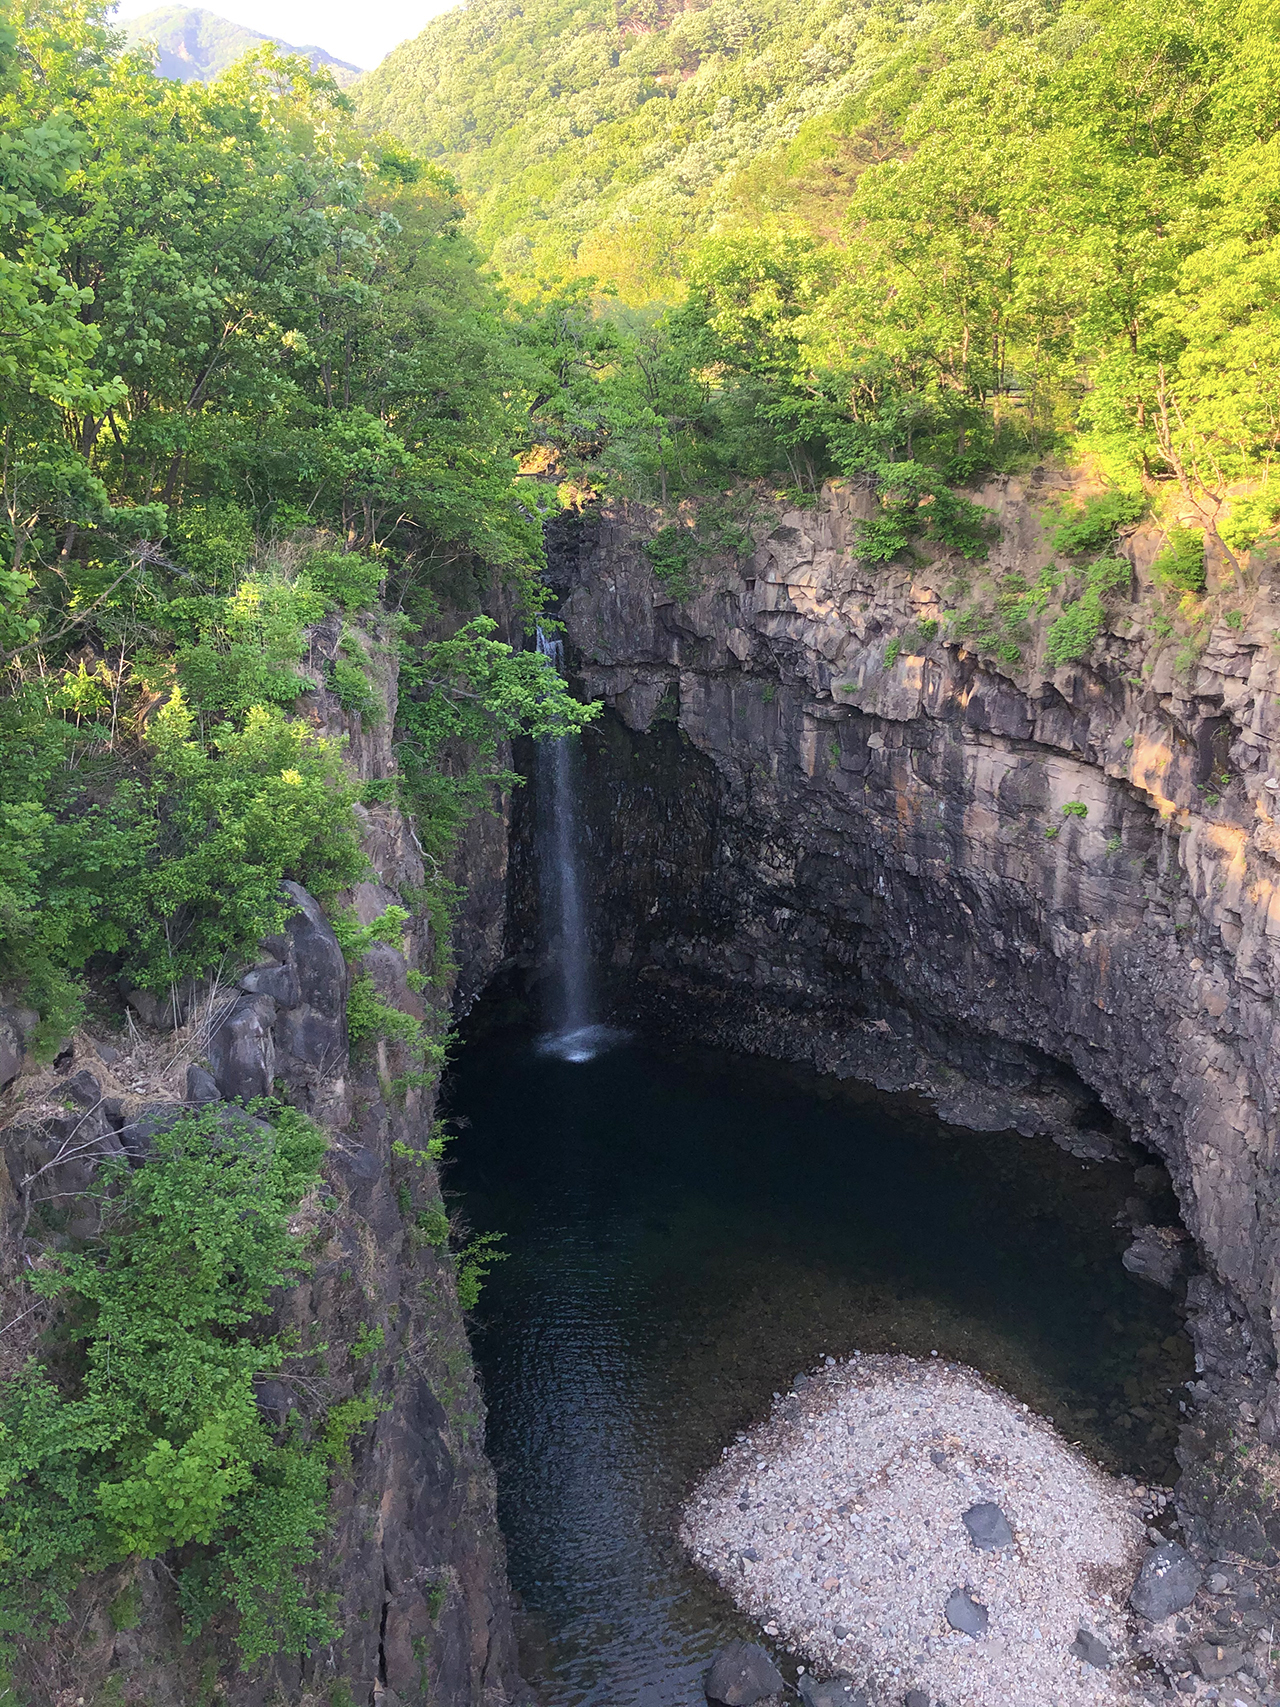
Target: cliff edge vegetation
916 245
259 419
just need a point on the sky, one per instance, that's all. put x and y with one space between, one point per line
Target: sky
361 34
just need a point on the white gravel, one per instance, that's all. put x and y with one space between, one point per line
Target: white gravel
854 1492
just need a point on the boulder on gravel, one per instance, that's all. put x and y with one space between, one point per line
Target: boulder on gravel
965 1614
1088 1648
834 1692
915 1698
1214 1663
1166 1583
988 1527
741 1674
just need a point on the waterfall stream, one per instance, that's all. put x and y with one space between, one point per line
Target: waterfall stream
574 1034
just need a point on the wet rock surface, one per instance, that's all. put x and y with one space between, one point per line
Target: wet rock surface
741 1674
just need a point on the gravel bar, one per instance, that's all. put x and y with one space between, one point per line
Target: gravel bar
838 1525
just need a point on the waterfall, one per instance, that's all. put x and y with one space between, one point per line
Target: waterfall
575 1036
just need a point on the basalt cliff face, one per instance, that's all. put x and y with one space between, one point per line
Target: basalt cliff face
1046 899
411 1560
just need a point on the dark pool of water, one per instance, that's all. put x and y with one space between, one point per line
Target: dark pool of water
686 1232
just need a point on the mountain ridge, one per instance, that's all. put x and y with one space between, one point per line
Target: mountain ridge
195 44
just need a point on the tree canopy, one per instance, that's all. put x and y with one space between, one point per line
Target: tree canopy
939 234
251 373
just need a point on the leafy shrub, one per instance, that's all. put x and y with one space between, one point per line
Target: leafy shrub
347 580
1073 632
355 939
150 1439
1075 809
368 1017
1181 564
958 522
1091 526
989 633
178 870
433 1225
356 693
1081 622
1108 575
475 1260
882 538
236 652
215 539
367 1341
1250 520
915 501
671 553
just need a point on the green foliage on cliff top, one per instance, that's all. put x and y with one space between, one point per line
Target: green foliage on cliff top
251 374
950 234
139 1433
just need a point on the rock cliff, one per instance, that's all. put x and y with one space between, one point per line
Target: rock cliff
412 1557
1045 898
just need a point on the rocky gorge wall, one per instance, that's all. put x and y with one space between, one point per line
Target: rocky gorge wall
1046 899
412 1556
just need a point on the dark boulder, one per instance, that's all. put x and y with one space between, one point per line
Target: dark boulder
1214 1663
988 1527
1167 1582
741 1674
82 1089
242 1050
201 1086
274 1400
965 1614
309 946
310 985
1093 1652
174 1007
279 982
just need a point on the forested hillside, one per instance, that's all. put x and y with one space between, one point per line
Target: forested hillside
604 134
943 237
